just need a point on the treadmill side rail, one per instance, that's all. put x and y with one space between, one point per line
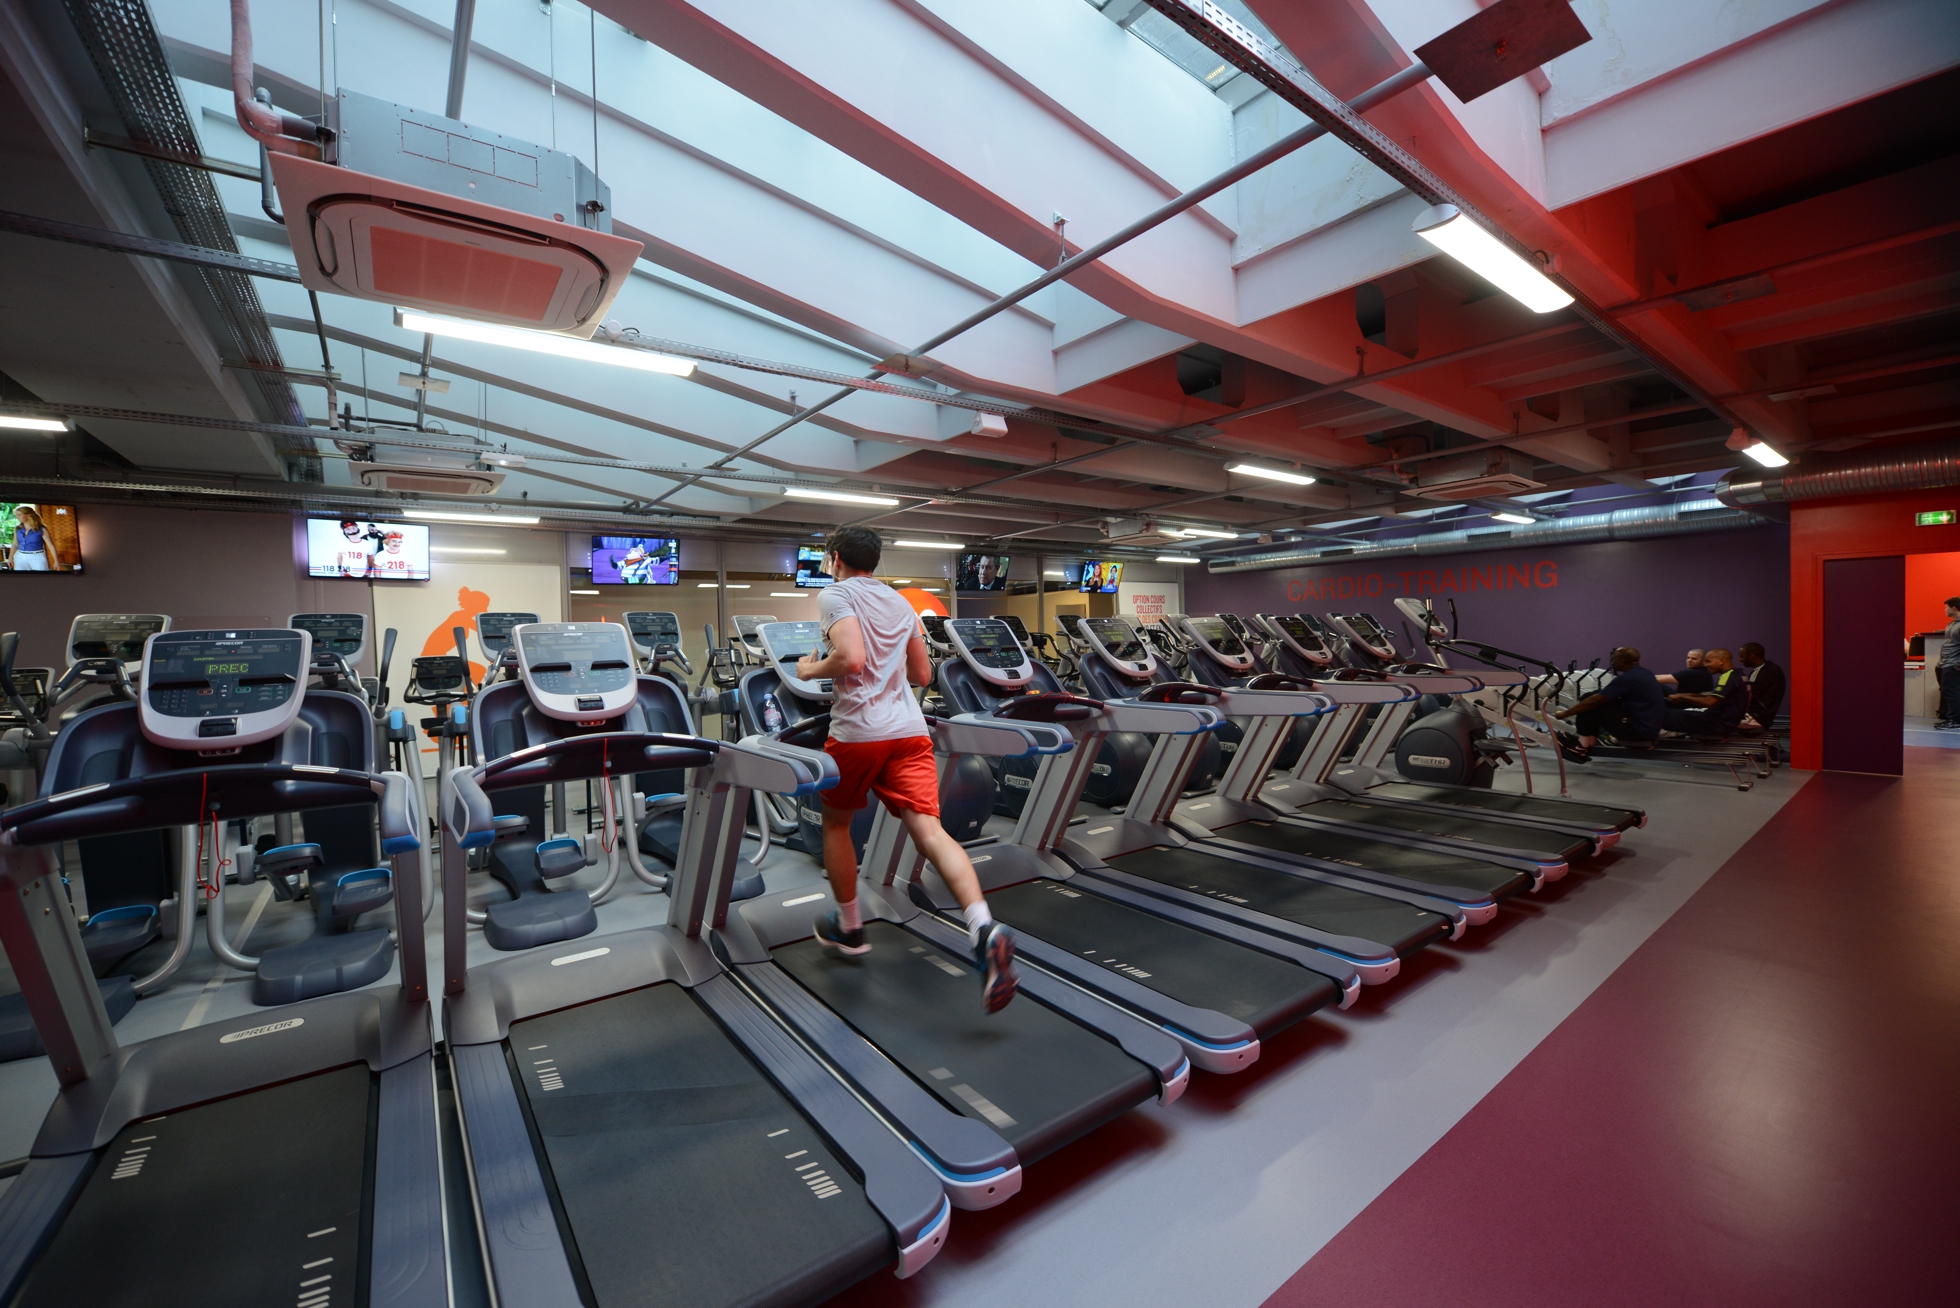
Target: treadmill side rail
410 1258
31 1210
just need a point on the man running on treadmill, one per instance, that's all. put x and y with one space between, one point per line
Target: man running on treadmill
879 739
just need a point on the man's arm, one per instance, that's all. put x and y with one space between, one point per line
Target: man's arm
918 662
846 657
1701 701
1585 705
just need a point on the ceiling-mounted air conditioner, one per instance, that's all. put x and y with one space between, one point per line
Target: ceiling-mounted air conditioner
416 480
420 211
1475 475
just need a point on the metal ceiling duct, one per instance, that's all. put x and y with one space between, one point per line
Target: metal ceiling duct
1915 467
1622 524
124 47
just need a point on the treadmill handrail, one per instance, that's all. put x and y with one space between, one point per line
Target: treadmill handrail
1048 706
1181 692
972 733
580 758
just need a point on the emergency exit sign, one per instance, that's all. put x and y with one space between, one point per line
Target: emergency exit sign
1936 518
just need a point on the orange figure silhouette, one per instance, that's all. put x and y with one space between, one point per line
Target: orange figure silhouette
443 639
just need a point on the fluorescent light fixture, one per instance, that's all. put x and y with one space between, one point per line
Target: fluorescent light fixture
933 590
14 422
1062 575
706 585
464 549
899 581
565 347
789 594
931 544
1521 519
1271 474
1766 454
736 585
1178 558
837 497
472 519
582 592
1445 227
1206 532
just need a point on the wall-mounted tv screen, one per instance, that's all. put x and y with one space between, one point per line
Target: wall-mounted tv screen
983 572
39 538
367 551
635 561
809 567
1100 577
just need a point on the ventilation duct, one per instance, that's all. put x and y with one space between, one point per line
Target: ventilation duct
1919 467
1622 524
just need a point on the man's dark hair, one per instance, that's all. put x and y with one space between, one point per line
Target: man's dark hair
1752 647
857 547
1633 655
1954 603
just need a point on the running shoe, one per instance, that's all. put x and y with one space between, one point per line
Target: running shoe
995 955
832 936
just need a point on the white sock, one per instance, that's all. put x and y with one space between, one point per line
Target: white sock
978 918
848 918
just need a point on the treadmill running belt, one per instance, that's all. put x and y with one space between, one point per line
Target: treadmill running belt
254 1199
685 1175
1457 871
1401 926
1504 801
1268 994
1503 835
1031 1074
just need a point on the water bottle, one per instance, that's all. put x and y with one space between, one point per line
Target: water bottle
772 716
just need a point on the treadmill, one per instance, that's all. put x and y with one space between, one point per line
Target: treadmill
1065 884
1310 798
340 642
656 637
638 1129
309 1135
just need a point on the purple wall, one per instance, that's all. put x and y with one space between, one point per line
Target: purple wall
1663 596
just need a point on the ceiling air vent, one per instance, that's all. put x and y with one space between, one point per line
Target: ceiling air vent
1475 475
411 479
424 212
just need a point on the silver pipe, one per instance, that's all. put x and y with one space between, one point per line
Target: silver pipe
1922 467
633 860
214 924
186 912
459 57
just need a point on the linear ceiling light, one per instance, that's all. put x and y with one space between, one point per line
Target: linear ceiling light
1521 519
465 549
581 592
1062 575
1766 454
1206 532
837 497
565 347
1177 558
14 422
473 519
931 544
736 585
789 594
1271 474
1445 227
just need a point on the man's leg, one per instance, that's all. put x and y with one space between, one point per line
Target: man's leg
993 943
840 860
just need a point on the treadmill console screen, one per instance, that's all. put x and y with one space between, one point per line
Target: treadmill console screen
438 674
1118 638
1015 625
1237 624
1303 635
1216 634
344 634
494 629
786 642
117 636
210 674
746 623
31 684
577 659
990 649
935 626
1379 642
651 629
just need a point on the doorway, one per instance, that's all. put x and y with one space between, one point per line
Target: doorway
1931 580
1864 677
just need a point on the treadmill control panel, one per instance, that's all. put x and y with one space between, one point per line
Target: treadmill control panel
1018 627
1217 640
989 648
439 674
745 626
576 671
493 630
215 691
1117 641
784 643
342 634
112 636
652 630
1293 631
1368 634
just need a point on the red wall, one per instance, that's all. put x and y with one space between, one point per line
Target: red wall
1866 526
1931 580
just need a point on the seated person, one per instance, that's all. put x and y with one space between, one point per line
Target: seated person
1720 710
1767 684
1629 708
1695 679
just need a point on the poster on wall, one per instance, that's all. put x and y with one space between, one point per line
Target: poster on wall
39 538
424 616
1148 601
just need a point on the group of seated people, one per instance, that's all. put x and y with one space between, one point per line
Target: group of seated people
1710 698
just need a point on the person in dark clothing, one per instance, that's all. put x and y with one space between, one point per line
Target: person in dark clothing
1695 679
1717 712
1767 684
1628 708
1948 671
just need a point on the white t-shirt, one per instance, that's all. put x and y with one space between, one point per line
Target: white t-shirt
877 703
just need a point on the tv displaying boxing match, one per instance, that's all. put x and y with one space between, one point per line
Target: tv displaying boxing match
367 551
39 538
1100 578
983 572
635 561
809 567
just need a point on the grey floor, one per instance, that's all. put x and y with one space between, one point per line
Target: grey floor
1921 733
1222 1196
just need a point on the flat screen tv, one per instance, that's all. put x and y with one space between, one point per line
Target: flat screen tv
38 537
1100 577
367 551
635 561
809 567
983 572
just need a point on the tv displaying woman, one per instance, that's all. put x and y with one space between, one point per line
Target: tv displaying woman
31 545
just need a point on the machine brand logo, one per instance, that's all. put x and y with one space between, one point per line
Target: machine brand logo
1097 831
984 858
1102 769
267 1029
801 899
580 958
1429 761
1018 783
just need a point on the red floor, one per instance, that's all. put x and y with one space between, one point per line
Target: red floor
1762 1106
